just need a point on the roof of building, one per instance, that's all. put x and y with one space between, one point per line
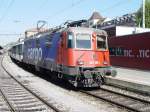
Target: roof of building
96 15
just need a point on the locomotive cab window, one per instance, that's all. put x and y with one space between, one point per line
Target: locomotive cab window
83 41
70 43
101 42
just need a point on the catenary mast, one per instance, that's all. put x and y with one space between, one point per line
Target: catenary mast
143 13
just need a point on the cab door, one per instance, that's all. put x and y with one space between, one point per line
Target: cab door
62 51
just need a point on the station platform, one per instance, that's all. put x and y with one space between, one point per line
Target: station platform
134 75
135 79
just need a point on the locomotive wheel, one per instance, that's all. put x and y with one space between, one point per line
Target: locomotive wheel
99 80
60 75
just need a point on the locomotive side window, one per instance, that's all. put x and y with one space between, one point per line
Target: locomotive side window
70 41
83 41
101 42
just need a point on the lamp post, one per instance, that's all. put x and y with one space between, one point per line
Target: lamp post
143 13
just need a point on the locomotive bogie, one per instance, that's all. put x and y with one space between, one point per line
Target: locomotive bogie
79 76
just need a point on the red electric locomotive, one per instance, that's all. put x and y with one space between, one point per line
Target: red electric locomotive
84 56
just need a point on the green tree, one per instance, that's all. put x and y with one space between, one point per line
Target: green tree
139 15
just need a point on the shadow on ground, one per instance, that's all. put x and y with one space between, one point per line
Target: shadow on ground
46 75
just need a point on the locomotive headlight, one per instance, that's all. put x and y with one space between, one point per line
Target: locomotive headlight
80 62
105 63
94 35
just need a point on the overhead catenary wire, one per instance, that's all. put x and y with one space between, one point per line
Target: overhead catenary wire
66 8
10 34
73 4
43 4
115 5
80 1
7 10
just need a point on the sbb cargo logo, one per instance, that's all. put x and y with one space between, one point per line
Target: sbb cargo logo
139 53
35 54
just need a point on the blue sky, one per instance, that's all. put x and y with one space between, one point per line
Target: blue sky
18 15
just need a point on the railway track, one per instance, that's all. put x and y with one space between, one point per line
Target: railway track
19 100
4 105
16 97
125 101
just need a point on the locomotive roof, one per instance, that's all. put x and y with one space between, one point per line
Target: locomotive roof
18 43
71 29
87 30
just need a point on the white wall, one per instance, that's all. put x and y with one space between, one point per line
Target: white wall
123 30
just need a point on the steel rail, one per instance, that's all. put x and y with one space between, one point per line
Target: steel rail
5 99
129 96
119 95
38 97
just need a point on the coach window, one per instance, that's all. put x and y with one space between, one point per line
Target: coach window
70 41
101 42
